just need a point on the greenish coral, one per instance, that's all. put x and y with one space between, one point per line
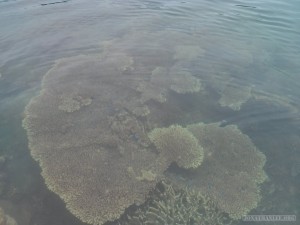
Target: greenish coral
178 144
169 205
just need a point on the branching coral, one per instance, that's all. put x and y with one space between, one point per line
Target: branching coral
169 205
177 144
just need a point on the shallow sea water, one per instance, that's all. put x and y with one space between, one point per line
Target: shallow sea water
246 53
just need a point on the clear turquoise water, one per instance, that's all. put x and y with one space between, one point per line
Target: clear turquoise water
249 44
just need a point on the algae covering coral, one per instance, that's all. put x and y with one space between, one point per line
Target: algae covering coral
232 169
170 205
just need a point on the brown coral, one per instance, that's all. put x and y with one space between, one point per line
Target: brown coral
231 171
84 155
177 144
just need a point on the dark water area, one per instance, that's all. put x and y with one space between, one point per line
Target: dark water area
245 53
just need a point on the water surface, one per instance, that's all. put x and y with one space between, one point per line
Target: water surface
247 59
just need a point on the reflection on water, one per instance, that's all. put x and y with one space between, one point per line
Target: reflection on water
234 62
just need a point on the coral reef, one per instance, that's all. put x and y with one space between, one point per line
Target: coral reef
88 130
234 96
163 80
177 144
170 205
232 169
136 107
150 91
126 126
72 103
84 155
156 88
147 176
183 82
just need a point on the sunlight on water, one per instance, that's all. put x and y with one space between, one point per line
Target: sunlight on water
202 94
